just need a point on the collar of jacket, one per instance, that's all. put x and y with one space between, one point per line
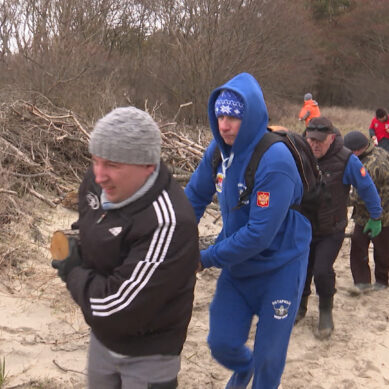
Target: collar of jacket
369 149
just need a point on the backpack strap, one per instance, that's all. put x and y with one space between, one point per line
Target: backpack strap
216 161
249 176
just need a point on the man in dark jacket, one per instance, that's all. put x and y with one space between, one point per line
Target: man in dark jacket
133 274
340 169
376 161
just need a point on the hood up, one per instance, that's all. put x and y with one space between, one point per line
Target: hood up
255 118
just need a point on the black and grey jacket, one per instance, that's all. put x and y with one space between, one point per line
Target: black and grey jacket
332 212
135 287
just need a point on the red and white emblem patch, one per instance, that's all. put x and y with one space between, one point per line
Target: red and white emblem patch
219 182
363 172
263 199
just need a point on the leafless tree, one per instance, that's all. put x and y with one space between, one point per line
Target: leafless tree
92 55
203 43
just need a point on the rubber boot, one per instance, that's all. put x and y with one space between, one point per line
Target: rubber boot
326 324
302 309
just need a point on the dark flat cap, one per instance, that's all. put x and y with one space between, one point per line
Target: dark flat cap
319 127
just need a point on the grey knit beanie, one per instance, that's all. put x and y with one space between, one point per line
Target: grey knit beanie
127 135
307 96
355 140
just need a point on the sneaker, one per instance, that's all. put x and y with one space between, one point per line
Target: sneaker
240 380
379 286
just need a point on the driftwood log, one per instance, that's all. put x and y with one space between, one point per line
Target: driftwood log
59 245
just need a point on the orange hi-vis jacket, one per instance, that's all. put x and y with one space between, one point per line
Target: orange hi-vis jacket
309 110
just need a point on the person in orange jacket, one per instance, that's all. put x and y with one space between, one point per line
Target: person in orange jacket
310 109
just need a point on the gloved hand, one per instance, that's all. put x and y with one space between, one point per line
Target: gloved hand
72 260
372 227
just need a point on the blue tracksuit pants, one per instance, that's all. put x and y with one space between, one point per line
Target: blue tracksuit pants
274 297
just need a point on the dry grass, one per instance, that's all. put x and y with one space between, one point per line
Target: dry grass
349 119
3 373
345 119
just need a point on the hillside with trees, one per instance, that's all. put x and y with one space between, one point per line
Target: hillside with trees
92 55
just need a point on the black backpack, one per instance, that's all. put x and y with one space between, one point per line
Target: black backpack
307 166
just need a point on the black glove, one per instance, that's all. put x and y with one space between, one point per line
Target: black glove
65 266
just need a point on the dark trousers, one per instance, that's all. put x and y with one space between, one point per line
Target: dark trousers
384 143
322 255
359 256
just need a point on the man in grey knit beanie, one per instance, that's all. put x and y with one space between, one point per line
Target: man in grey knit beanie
133 270
131 137
127 135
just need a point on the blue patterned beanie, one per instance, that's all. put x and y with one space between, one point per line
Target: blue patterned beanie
229 103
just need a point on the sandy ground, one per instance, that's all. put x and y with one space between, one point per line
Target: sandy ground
44 339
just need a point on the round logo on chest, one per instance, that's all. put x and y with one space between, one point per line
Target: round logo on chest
93 201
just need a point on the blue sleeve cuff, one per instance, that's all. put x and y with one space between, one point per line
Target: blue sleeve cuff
205 258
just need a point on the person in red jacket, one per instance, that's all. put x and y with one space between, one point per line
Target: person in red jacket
309 110
379 128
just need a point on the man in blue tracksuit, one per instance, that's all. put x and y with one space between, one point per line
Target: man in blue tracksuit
263 246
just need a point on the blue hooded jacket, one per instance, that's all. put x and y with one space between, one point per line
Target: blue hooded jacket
266 233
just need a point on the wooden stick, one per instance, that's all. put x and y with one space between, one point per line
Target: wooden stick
19 154
167 125
6 191
41 197
66 369
179 109
185 140
80 127
36 111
